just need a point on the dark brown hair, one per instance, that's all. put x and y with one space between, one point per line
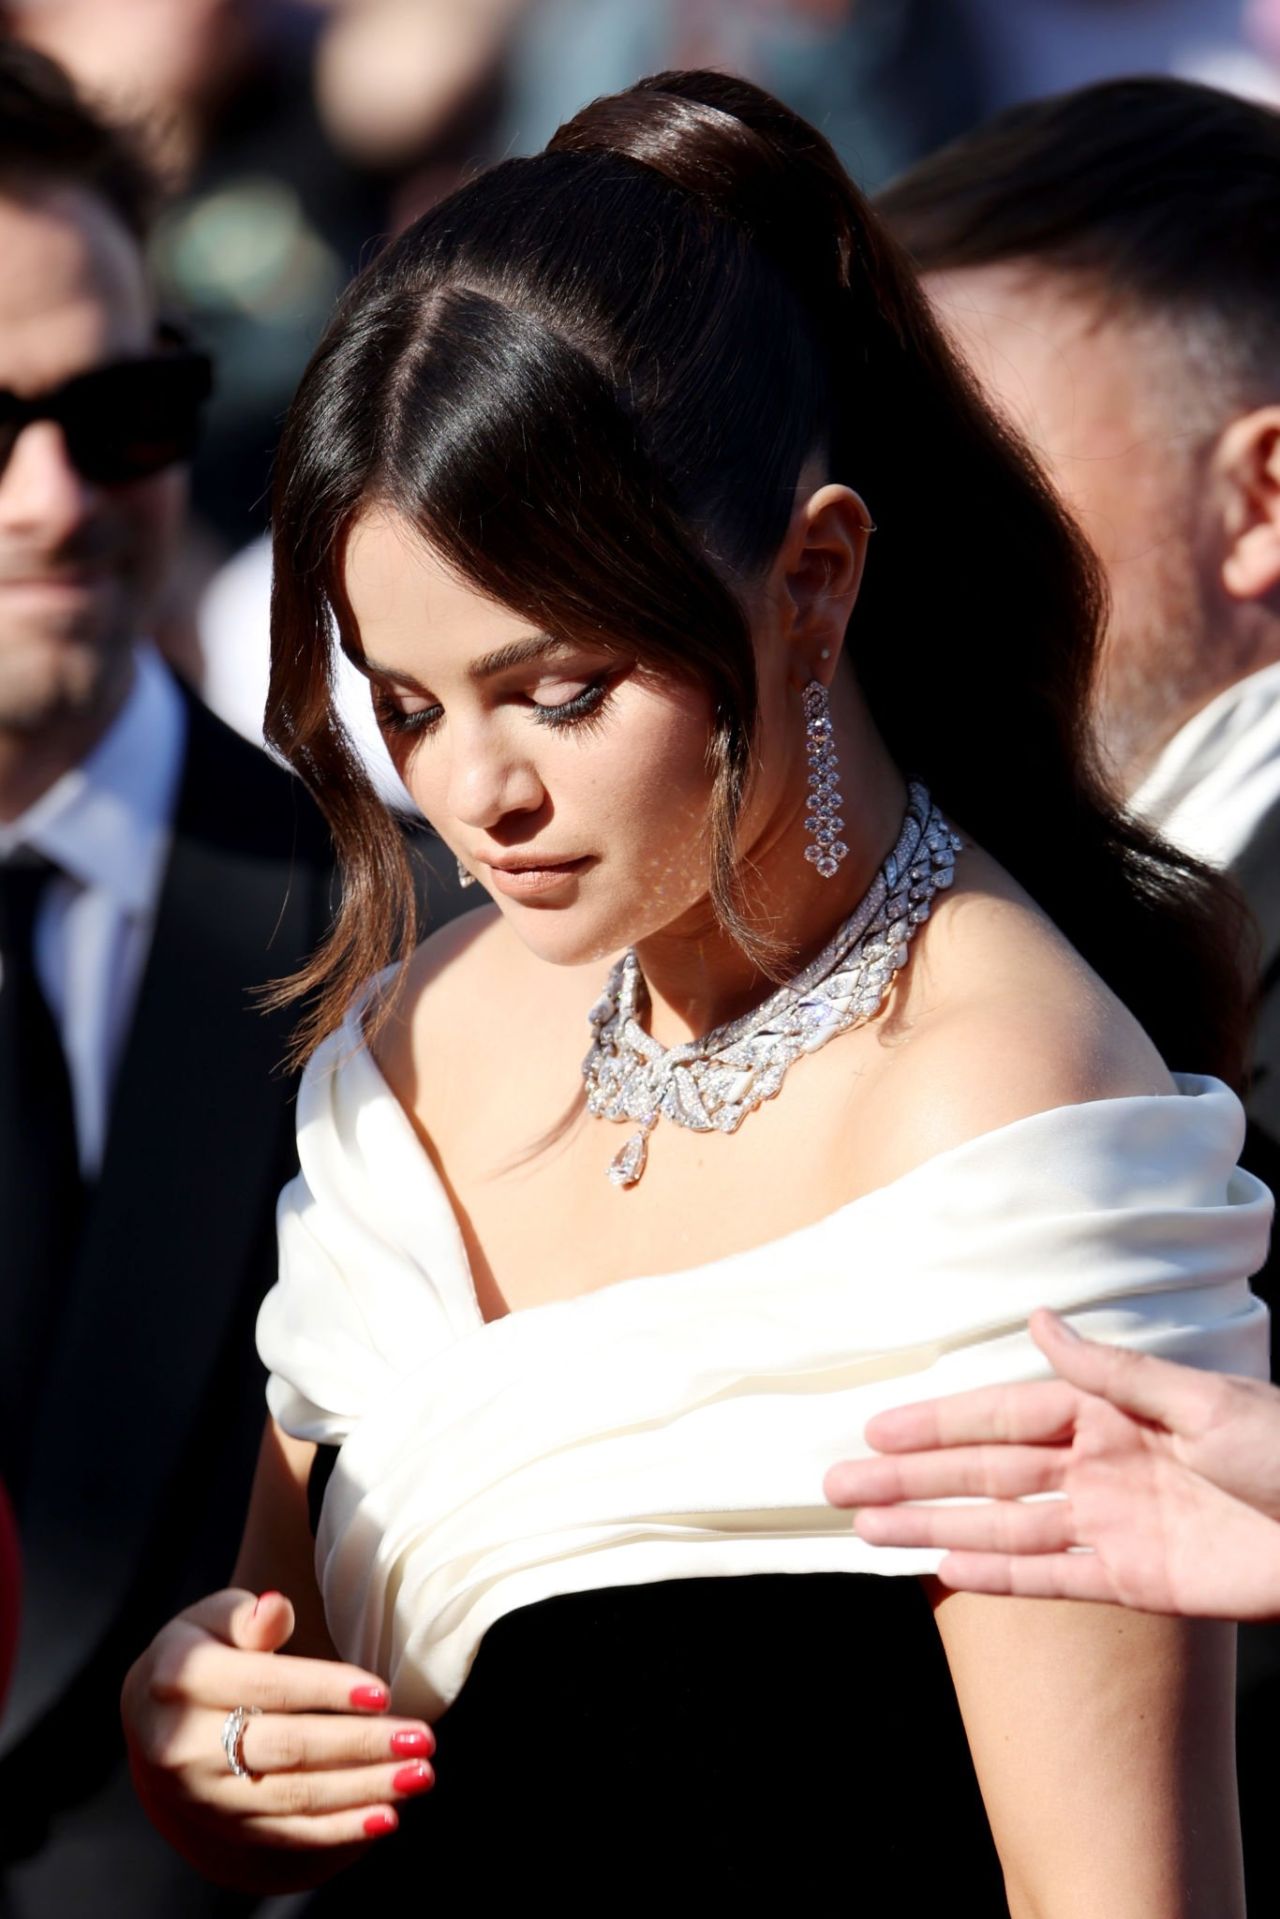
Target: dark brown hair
49 136
1162 195
591 379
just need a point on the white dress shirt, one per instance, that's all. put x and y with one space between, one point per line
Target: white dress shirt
1219 776
106 825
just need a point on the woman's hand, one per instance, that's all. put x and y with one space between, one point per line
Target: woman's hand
1168 1477
328 1766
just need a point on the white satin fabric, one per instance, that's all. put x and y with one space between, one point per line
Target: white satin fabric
679 1426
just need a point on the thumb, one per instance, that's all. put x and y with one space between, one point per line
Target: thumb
1155 1389
262 1624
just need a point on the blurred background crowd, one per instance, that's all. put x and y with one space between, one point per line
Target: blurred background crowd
293 137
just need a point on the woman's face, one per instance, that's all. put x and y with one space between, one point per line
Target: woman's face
569 778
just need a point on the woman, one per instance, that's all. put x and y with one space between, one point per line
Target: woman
574 471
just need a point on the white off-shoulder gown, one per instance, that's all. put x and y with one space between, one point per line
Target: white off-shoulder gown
677 1427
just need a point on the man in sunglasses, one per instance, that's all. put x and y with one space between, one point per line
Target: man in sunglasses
154 868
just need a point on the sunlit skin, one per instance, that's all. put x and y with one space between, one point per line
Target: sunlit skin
1175 485
582 754
78 562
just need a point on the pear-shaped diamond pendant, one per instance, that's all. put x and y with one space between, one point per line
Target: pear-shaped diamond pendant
628 1162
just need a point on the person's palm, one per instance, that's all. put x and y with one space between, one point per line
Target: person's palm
1169 1478
1227 1431
1163 1535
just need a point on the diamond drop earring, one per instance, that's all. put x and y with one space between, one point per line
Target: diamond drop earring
464 877
826 850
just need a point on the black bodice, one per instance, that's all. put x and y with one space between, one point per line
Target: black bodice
787 1742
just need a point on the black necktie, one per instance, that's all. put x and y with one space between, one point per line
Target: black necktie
41 1190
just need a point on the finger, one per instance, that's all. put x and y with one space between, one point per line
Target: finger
983 1472
318 1742
194 1669
258 1622
1077 1575
216 1612
266 1626
1028 1414
1003 1526
355 1827
290 1795
1155 1389
287 1742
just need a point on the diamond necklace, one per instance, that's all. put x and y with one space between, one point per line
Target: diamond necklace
711 1084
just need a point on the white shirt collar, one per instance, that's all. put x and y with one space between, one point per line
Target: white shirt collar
107 821
1219 776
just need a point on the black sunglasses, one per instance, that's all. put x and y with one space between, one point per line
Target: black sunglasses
122 421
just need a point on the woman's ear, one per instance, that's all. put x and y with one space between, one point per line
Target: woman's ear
1247 463
822 560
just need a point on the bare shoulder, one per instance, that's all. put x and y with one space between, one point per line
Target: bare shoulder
449 960
470 989
452 965
1001 1018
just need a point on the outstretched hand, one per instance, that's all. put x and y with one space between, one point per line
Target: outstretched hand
1167 1483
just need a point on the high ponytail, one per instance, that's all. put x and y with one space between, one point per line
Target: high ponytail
749 158
592 378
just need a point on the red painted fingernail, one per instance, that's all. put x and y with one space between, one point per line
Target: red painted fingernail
412 1745
371 1698
378 1824
270 1593
414 1778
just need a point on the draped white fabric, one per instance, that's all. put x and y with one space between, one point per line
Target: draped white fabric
679 1426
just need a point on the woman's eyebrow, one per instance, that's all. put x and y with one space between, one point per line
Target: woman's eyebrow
374 670
516 653
501 660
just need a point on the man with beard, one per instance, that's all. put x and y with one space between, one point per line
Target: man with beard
1105 261
154 868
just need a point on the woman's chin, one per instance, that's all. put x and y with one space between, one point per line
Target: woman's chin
589 924
569 937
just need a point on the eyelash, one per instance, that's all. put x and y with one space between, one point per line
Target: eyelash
580 710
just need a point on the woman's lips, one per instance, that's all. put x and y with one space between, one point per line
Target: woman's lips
524 882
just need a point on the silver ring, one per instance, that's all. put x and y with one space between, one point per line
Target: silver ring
233 1739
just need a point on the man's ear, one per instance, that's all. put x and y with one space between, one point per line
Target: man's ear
1246 463
822 561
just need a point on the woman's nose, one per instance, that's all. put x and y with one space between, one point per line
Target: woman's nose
490 778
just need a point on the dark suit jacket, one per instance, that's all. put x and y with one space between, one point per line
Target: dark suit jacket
1258 874
148 1428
